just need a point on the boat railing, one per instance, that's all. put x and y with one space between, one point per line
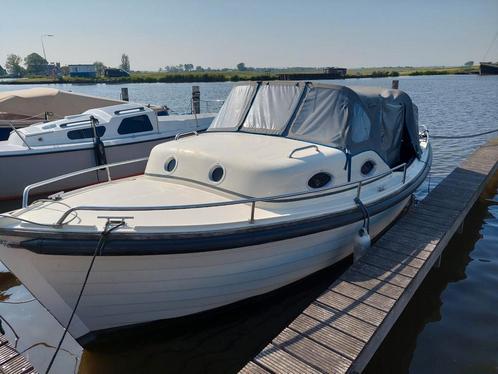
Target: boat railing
284 198
107 167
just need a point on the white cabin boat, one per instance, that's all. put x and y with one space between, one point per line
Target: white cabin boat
98 136
276 189
21 108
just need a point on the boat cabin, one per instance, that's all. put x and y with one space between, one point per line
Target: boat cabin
112 122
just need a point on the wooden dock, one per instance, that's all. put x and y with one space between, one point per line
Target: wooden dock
343 328
11 362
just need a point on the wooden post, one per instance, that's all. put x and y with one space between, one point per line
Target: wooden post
124 94
395 84
196 100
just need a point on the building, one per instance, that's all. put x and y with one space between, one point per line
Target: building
115 72
82 70
327 73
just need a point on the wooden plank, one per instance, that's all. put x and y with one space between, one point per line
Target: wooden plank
369 297
396 257
253 368
340 321
279 361
311 353
417 222
344 344
387 248
370 283
352 307
378 273
391 265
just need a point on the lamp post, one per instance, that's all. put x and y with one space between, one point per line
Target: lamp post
43 46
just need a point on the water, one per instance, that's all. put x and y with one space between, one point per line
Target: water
450 326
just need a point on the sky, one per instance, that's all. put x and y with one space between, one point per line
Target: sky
261 33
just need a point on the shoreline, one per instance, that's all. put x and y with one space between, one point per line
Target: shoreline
222 77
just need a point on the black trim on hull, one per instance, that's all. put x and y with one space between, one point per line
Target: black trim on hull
161 244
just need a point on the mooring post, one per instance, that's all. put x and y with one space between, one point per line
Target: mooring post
395 84
196 100
124 94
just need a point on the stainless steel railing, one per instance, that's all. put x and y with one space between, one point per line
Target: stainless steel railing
27 189
290 197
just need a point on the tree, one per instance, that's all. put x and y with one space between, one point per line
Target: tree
99 68
188 67
13 65
469 64
65 70
2 71
125 62
199 68
241 66
35 64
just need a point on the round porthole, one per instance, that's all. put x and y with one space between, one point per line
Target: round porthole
319 180
170 165
367 167
216 174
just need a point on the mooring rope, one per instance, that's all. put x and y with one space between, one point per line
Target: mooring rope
463 136
98 249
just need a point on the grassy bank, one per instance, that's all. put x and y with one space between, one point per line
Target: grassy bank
235 76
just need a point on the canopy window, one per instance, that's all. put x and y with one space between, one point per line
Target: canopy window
272 108
323 118
234 109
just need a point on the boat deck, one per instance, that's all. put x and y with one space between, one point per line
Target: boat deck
342 329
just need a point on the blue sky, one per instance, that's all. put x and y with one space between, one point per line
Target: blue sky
220 33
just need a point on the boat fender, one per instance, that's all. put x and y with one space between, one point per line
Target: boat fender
98 145
361 243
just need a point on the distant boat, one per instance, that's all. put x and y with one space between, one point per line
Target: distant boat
104 135
22 108
488 68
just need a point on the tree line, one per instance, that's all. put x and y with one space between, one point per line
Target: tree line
35 65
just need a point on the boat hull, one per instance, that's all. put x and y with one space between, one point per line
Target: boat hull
128 290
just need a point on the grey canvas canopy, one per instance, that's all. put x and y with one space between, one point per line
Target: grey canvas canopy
354 119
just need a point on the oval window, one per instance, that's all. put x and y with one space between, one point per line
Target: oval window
216 174
367 167
170 166
319 180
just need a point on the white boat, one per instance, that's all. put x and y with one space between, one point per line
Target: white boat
276 189
98 136
21 108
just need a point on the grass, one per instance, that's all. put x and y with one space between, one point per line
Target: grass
234 75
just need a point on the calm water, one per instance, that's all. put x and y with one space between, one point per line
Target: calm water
452 323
